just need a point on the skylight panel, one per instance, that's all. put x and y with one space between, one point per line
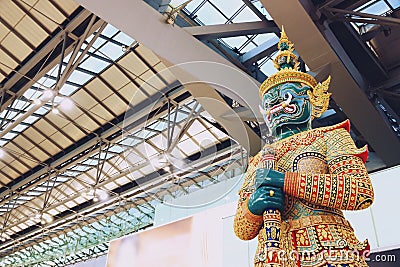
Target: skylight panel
261 8
188 147
20 104
79 77
180 117
9 136
91 162
246 15
104 155
394 3
270 37
210 16
123 38
376 9
129 141
94 64
109 30
248 47
96 44
20 127
112 51
227 8
235 42
158 126
41 111
196 128
31 119
206 139
45 81
32 93
68 89
116 149
267 66
144 134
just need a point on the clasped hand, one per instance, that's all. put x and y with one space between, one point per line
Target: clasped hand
269 191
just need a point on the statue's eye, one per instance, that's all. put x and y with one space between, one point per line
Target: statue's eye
286 96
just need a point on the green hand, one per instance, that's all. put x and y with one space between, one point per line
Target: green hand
266 197
268 177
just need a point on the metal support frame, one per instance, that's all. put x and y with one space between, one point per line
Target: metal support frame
255 10
265 49
231 30
62 162
41 62
61 78
180 51
131 193
366 18
317 52
178 47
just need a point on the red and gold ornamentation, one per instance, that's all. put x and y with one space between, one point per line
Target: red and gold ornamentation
325 174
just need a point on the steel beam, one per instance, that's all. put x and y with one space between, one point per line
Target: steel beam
317 52
394 21
231 30
254 9
264 50
41 62
190 60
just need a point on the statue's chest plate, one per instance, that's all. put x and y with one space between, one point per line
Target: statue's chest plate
310 162
304 154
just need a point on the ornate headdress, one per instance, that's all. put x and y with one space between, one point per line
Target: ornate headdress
287 64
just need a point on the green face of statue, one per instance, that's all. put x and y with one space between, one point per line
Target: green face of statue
285 107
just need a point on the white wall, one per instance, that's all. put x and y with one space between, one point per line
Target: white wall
223 196
385 212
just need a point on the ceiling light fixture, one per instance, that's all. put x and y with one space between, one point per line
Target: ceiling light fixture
66 104
37 102
55 111
47 95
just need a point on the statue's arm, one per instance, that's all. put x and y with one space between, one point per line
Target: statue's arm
246 224
346 187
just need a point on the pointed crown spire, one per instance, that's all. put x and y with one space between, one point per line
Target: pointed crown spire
287 64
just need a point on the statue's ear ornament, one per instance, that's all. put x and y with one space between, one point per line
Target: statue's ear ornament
319 98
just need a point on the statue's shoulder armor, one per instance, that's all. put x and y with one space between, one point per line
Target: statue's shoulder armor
342 125
339 141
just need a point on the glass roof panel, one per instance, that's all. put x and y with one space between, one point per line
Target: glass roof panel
394 3
79 77
263 11
227 8
94 64
246 15
123 38
377 8
111 50
191 6
262 38
235 42
209 15
267 66
109 30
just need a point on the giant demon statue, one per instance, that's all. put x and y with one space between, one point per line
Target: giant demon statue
295 205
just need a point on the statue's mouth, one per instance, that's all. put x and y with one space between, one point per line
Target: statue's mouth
283 107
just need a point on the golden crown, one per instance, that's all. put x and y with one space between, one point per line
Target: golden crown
287 64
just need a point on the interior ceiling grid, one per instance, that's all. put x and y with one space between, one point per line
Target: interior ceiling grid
119 66
16 39
73 119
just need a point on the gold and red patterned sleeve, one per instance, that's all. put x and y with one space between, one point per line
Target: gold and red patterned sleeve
247 225
346 187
